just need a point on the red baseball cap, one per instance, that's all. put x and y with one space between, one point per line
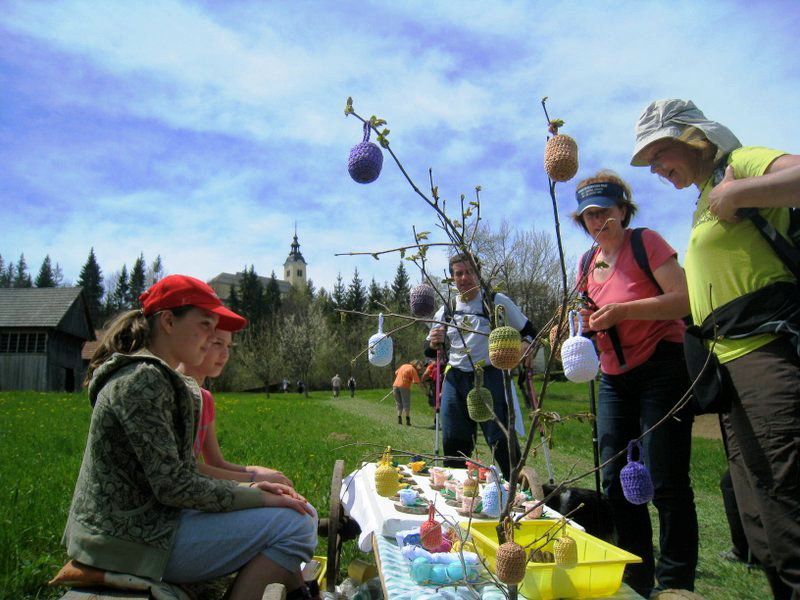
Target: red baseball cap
180 290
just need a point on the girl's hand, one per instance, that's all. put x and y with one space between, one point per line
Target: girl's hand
585 316
721 200
270 475
286 501
607 316
278 489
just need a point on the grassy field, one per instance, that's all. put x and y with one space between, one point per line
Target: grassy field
42 439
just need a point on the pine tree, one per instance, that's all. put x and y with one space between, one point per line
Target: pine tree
155 272
339 294
4 279
400 289
272 297
91 280
22 278
8 275
46 277
58 276
137 283
121 297
233 300
356 298
251 296
375 297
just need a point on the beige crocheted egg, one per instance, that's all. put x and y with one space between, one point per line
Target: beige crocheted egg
565 551
510 564
561 158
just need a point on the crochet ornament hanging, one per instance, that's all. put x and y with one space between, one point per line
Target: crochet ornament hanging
422 300
560 155
366 159
577 353
479 400
505 343
637 485
380 346
387 483
494 494
430 532
565 552
511 559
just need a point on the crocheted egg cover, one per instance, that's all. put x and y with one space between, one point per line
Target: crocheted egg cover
479 401
637 485
493 498
505 347
510 563
579 359
365 161
565 551
430 532
387 482
380 349
561 158
422 300
470 487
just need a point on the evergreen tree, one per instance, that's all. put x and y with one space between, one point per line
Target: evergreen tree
22 278
9 274
155 272
137 282
356 298
375 297
233 300
5 281
46 277
339 294
120 300
91 280
58 276
400 289
251 296
272 297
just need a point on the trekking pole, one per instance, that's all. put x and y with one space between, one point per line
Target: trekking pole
595 447
542 437
437 402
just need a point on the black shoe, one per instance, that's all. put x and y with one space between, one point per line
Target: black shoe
408 421
399 420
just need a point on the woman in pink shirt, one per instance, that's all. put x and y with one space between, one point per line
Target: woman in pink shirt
636 315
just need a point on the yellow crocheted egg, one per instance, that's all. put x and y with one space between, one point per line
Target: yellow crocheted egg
565 551
386 481
561 158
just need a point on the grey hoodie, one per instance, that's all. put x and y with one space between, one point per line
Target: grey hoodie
138 469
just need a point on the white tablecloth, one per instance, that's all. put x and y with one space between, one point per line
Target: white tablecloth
376 514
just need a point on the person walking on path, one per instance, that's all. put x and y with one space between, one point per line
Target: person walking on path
336 384
404 377
467 349
351 384
743 282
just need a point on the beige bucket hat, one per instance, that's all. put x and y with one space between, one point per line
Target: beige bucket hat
669 119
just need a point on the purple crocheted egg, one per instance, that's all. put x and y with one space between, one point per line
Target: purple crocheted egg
422 300
637 485
366 160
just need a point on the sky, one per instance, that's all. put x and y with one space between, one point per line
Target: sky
203 131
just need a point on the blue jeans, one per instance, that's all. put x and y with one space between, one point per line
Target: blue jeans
629 404
459 431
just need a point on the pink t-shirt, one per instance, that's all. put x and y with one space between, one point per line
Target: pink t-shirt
628 282
207 416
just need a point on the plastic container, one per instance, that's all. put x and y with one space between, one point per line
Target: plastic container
598 573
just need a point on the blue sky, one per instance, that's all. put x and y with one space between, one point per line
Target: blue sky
201 131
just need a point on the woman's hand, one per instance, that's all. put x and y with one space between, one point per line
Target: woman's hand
607 316
270 475
585 315
278 489
721 200
297 503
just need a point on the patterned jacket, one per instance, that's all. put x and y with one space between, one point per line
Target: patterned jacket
138 470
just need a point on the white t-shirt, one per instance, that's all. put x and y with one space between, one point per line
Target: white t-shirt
469 316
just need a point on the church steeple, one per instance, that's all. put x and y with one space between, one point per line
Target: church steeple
295 266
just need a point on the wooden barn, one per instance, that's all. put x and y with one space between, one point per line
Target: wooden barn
42 331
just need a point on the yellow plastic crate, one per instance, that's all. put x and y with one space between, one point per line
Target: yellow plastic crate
598 573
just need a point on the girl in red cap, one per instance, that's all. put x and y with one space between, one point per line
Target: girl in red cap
140 504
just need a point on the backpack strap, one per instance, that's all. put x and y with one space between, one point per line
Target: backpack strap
640 255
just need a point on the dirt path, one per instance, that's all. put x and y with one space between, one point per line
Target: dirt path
707 426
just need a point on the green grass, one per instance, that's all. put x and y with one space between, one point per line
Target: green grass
42 439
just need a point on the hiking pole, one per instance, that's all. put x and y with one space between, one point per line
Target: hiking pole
437 402
595 447
542 437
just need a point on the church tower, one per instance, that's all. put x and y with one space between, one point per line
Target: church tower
294 269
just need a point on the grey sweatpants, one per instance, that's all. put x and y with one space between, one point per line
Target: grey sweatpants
209 545
402 399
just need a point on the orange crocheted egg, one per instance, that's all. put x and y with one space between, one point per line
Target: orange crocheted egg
510 563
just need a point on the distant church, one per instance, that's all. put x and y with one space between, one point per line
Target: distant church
294 271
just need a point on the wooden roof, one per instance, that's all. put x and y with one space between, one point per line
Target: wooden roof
61 308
